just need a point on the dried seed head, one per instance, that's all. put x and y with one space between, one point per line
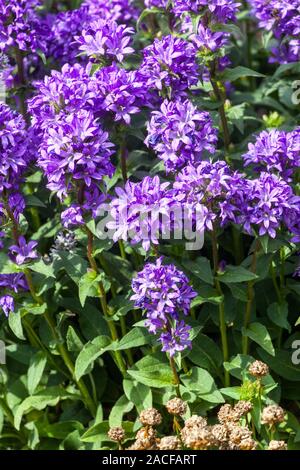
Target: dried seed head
176 406
272 414
248 444
195 421
258 369
219 434
277 445
227 415
150 417
196 438
239 434
116 434
169 443
146 438
242 408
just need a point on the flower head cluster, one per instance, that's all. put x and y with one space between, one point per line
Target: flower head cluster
20 25
118 92
170 66
214 187
75 149
122 11
164 293
220 11
179 133
11 282
275 150
283 18
137 211
105 40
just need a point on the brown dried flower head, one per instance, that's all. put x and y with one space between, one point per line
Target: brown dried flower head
220 434
146 438
258 369
277 445
196 438
150 417
195 421
227 415
272 414
242 408
176 406
169 443
116 434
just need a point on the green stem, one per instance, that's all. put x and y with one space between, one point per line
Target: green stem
175 375
222 318
22 82
219 96
250 297
102 295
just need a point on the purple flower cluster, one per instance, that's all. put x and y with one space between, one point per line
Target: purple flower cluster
263 205
179 133
23 252
163 291
170 66
16 152
119 92
220 11
283 18
137 211
122 11
75 150
105 41
11 282
275 150
20 25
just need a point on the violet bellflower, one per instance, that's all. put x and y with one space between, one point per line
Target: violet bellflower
164 293
275 150
170 66
19 25
105 40
283 18
118 93
23 252
15 282
137 212
75 150
220 11
122 11
179 134
7 304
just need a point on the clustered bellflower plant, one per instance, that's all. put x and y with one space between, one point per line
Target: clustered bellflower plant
150 224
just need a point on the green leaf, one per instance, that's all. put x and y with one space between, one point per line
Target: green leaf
205 353
90 352
278 314
153 372
88 285
48 397
200 381
200 268
74 342
236 274
236 114
100 430
35 372
59 430
231 392
15 323
260 335
135 338
239 72
238 366
42 268
74 265
121 407
147 12
140 395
